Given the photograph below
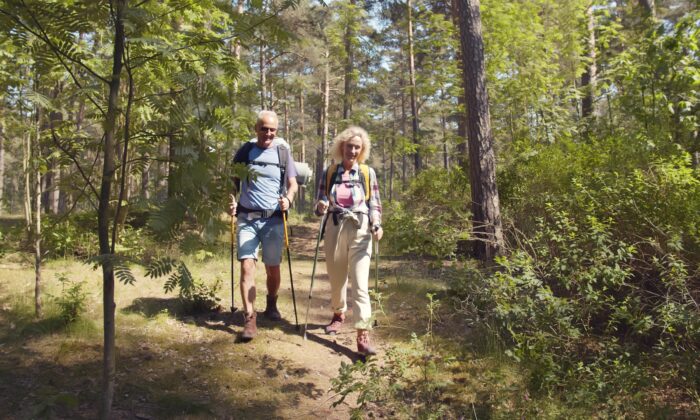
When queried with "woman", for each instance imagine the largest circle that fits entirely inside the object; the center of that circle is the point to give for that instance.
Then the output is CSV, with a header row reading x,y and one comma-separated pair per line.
x,y
350,194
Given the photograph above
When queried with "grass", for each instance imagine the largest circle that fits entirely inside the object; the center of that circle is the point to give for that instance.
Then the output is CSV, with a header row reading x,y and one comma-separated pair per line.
x,y
174,365
169,364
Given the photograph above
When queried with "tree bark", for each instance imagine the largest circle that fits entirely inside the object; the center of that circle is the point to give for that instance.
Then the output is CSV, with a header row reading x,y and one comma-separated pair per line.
x,y
38,307
108,169
26,161
263,79
349,64
486,218
302,154
417,161
462,152
649,7
326,105
237,55
2,164
588,79
36,231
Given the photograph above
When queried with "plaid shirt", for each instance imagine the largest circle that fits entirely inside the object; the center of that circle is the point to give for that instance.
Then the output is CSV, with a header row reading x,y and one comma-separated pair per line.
x,y
359,204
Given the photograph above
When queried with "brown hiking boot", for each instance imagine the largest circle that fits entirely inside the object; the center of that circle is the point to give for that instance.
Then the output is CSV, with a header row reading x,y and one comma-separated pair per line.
x,y
250,329
271,311
364,347
336,323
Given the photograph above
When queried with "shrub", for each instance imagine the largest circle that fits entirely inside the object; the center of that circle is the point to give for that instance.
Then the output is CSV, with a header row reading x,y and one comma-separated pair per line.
x,y
201,298
72,302
432,216
406,384
197,297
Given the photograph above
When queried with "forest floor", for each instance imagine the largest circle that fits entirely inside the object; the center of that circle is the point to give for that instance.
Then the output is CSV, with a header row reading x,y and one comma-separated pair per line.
x,y
173,365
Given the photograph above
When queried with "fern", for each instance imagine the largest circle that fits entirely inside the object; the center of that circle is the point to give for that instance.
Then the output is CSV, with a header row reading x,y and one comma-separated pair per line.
x,y
124,274
160,268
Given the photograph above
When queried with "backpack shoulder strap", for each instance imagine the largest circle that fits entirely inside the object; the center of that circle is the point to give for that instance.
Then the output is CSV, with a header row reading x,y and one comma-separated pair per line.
x,y
242,153
282,156
364,171
241,156
330,177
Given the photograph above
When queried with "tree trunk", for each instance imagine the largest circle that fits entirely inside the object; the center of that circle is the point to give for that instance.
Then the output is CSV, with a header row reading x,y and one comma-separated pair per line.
x,y
486,218
237,55
37,236
445,151
26,161
302,155
36,231
2,165
108,168
414,100
462,152
649,7
146,178
263,81
404,163
285,110
588,79
349,64
326,105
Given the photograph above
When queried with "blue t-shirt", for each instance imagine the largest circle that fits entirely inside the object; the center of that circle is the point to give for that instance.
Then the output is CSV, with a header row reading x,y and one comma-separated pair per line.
x,y
263,192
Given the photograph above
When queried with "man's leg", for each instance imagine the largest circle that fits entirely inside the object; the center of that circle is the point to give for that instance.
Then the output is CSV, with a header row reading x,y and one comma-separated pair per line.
x,y
273,279
250,329
248,285
272,244
248,243
273,286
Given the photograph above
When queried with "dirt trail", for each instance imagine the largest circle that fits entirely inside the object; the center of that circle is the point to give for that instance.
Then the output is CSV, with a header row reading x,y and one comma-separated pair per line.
x,y
174,366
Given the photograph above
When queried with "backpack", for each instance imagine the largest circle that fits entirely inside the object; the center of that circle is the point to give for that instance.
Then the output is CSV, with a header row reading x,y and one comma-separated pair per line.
x,y
332,175
242,156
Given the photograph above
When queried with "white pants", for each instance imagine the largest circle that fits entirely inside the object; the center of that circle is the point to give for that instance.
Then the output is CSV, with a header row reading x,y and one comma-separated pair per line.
x,y
348,257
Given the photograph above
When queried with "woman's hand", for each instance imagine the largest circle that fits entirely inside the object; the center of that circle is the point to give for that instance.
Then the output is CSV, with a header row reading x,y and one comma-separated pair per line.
x,y
377,233
321,207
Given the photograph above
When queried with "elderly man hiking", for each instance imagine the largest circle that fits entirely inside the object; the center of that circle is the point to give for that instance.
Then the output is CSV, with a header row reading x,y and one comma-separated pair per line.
x,y
263,198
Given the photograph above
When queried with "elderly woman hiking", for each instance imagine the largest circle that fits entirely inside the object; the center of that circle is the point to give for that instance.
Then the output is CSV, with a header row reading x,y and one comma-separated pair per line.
x,y
350,194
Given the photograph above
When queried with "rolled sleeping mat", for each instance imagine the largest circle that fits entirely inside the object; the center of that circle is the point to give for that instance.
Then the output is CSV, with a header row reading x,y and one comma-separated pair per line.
x,y
304,172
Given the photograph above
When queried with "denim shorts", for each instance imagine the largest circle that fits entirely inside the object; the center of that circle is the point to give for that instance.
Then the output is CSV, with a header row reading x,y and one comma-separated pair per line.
x,y
266,230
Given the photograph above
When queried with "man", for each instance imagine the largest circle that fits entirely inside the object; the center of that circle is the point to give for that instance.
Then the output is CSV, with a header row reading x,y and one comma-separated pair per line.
x,y
264,197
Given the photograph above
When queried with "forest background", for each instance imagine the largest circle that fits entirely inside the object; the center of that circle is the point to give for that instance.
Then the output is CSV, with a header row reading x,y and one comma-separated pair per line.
x,y
118,120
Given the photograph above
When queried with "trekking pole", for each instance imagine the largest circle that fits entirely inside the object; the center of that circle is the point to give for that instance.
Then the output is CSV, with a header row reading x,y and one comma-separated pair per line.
x,y
233,261
313,271
289,261
376,272
376,266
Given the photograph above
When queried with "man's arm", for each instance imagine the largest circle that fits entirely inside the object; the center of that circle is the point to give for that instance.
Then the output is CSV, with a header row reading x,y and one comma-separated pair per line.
x,y
292,185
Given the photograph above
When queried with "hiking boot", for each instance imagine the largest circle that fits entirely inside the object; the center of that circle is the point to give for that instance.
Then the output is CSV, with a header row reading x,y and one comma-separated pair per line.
x,y
364,347
250,329
271,311
336,323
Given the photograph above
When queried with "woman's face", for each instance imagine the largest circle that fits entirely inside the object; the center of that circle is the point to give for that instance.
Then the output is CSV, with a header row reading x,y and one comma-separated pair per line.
x,y
351,150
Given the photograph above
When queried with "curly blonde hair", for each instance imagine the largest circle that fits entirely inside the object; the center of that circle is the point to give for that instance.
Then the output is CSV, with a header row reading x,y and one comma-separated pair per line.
x,y
347,134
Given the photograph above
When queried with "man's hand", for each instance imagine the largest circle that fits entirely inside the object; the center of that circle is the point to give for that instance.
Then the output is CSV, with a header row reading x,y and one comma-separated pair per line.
x,y
233,204
285,202
321,207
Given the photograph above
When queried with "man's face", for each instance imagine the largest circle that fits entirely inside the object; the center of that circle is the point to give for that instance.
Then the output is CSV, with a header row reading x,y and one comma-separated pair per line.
x,y
266,130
